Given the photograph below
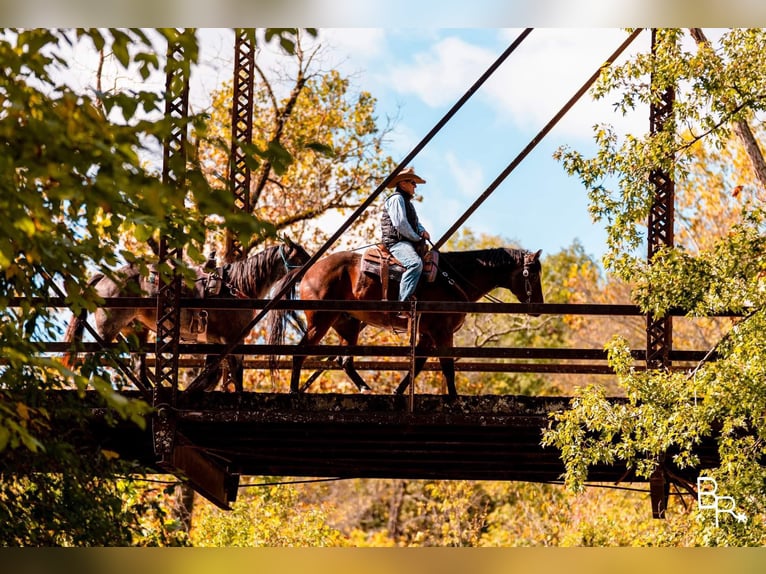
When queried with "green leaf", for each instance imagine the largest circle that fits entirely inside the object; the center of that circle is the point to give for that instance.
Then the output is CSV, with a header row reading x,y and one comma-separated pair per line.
x,y
321,148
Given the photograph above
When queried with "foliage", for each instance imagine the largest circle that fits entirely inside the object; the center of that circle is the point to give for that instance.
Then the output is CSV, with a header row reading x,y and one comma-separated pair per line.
x,y
317,149
718,269
269,515
78,192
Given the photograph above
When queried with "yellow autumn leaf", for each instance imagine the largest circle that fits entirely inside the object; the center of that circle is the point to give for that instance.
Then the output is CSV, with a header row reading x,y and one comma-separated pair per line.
x,y
109,454
23,411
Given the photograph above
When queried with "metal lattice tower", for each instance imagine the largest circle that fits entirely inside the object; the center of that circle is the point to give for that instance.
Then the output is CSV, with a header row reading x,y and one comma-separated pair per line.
x,y
241,130
659,331
169,292
173,174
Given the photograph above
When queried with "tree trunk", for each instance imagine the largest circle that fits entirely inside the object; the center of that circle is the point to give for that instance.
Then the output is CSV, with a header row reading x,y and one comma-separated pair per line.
x,y
740,127
185,506
395,509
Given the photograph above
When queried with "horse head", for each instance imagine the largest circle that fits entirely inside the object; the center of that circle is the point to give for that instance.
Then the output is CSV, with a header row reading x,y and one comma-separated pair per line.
x,y
293,254
525,281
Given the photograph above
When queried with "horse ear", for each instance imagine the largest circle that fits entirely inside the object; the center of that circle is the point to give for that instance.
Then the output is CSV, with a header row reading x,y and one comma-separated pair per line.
x,y
537,254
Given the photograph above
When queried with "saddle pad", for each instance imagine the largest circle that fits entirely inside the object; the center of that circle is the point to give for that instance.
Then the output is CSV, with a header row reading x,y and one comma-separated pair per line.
x,y
371,262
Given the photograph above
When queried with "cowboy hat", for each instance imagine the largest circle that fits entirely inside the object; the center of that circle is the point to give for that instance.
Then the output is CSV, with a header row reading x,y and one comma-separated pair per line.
x,y
408,173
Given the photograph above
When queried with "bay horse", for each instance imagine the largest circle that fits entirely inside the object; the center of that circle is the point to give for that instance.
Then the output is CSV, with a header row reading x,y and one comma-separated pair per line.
x,y
251,277
463,277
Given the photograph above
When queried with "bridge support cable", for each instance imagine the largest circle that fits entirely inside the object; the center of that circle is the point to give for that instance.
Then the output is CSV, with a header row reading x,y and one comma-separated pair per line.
x,y
532,144
367,202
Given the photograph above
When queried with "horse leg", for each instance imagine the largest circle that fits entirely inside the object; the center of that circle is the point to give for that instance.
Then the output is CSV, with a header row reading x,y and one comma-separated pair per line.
x,y
211,379
295,376
236,372
139,361
348,330
347,363
424,343
419,363
317,325
448,370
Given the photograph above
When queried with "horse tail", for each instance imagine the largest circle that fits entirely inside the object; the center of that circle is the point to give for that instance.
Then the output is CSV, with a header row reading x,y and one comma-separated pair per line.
x,y
73,334
76,328
277,319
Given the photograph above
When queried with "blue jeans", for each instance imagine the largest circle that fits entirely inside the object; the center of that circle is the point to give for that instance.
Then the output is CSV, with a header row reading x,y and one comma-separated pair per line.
x,y
405,252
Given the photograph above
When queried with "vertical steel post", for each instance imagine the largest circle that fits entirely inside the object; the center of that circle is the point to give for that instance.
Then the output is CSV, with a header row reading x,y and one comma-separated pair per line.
x,y
169,292
241,131
659,331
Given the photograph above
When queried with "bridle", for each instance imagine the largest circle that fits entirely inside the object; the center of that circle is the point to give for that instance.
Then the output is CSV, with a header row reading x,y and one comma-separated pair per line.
x,y
527,282
285,261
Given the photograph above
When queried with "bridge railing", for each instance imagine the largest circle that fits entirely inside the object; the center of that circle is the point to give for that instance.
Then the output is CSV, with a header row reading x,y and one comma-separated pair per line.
x,y
486,359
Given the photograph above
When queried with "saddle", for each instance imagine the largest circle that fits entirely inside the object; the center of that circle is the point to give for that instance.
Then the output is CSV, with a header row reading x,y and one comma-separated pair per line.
x,y
378,262
209,283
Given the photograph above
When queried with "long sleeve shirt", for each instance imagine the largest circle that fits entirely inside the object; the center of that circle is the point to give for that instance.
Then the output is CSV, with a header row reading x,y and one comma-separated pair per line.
x,y
397,212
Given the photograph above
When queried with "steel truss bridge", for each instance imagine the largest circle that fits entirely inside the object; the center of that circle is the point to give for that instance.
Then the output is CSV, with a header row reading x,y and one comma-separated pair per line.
x,y
210,441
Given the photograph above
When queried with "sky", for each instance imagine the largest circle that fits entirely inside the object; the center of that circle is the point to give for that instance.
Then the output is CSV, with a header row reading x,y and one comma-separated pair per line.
x,y
418,74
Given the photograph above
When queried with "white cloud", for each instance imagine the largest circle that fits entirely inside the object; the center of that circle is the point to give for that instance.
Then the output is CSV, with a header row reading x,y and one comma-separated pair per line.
x,y
467,176
548,69
441,75
531,86
361,43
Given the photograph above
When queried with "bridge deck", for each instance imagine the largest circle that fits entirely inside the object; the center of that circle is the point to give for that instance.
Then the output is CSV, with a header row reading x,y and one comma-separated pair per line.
x,y
374,436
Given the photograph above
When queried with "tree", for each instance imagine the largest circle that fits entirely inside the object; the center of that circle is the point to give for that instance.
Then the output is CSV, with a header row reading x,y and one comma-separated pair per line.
x,y
317,147
270,514
723,271
75,181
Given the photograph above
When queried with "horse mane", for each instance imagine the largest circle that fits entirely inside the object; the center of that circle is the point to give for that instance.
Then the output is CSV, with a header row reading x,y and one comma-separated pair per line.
x,y
495,257
252,274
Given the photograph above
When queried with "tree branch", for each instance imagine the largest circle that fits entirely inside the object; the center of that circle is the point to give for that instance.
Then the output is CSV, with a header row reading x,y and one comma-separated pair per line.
x,y
740,127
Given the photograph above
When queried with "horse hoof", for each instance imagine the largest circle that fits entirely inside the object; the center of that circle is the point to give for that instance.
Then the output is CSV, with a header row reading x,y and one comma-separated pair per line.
x,y
365,391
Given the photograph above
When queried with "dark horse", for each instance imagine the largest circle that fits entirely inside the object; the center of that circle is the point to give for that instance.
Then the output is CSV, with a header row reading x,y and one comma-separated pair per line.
x,y
464,276
252,278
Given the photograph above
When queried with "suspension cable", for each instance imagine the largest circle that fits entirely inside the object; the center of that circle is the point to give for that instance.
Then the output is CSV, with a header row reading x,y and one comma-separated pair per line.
x,y
285,288
532,144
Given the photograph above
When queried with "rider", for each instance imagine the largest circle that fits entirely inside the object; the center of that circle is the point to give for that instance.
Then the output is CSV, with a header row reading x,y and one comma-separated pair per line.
x,y
401,230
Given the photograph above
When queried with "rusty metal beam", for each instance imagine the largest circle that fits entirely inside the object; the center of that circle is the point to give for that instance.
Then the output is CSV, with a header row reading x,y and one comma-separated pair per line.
x,y
241,131
387,306
659,330
173,175
488,437
172,451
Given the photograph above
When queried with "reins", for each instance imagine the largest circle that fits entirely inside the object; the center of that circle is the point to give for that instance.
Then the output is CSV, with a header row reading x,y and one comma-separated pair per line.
x,y
525,272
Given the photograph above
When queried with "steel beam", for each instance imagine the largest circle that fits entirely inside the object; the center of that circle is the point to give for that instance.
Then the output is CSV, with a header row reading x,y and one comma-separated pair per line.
x,y
241,131
659,330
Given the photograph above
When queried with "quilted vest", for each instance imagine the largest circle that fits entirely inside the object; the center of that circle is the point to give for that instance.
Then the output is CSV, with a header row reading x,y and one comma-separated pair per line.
x,y
389,234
